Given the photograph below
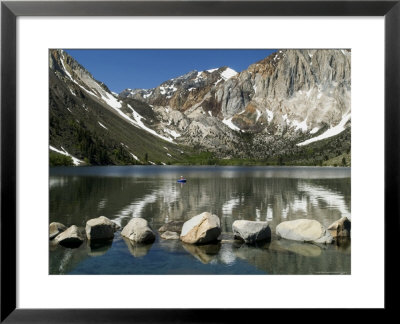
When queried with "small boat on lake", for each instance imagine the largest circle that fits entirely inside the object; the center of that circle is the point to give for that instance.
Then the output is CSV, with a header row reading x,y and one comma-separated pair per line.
x,y
181,180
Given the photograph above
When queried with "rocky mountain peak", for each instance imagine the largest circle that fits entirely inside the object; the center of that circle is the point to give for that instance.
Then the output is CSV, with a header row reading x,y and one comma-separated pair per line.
x,y
183,91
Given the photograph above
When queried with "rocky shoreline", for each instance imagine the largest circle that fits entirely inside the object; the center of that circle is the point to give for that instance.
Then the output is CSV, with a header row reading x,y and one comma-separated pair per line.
x,y
203,229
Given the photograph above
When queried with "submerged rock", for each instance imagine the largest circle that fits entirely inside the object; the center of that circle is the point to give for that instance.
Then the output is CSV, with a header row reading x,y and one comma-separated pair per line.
x,y
201,229
172,226
71,237
340,228
250,231
55,229
170,235
305,230
138,230
100,228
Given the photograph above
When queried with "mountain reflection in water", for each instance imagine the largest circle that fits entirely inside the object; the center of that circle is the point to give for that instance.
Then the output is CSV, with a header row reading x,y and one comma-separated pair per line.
x,y
270,194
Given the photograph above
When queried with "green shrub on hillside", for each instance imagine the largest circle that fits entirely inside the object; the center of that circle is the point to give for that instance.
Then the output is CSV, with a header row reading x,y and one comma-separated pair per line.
x,y
57,159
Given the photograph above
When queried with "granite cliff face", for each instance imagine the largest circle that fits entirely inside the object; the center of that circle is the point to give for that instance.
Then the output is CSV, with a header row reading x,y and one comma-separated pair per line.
x,y
292,89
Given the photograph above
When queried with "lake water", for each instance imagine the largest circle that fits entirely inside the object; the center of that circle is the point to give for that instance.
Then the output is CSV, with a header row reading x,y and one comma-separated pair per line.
x,y
272,194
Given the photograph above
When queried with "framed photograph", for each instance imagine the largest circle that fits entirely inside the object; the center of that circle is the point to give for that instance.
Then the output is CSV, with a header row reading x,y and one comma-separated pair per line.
x,y
151,149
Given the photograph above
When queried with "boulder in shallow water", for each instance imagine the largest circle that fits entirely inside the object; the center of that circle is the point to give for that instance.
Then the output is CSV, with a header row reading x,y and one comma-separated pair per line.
x,y
304,230
55,229
100,228
170,235
250,231
340,228
138,230
71,237
172,226
201,229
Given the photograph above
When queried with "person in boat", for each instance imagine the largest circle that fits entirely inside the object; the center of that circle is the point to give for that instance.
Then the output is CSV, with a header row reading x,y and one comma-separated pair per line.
x,y
182,178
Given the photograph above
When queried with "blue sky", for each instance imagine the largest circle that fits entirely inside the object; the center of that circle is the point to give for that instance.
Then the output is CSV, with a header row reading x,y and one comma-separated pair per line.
x,y
121,69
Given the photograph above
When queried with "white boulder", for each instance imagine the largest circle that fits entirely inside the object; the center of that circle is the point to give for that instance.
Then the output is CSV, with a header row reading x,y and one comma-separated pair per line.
x,y
305,230
55,229
139,231
71,237
201,229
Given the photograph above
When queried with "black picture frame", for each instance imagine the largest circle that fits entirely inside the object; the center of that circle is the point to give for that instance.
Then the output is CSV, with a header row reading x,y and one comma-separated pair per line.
x,y
10,10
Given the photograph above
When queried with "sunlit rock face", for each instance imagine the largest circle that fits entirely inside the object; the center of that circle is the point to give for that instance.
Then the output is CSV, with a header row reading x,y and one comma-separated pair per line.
x,y
56,228
139,231
201,229
71,237
304,230
300,89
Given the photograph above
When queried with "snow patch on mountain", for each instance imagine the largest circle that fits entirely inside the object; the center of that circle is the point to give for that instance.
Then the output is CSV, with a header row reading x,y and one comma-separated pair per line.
x,y
270,115
228,122
134,156
172,133
258,115
228,73
138,122
111,100
330,132
148,94
75,160
102,125
302,126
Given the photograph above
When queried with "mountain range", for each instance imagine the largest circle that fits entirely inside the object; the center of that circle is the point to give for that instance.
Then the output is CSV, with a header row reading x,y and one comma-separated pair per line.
x,y
293,107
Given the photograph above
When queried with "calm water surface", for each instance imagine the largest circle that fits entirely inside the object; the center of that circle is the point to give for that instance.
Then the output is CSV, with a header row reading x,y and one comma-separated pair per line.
x,y
272,194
